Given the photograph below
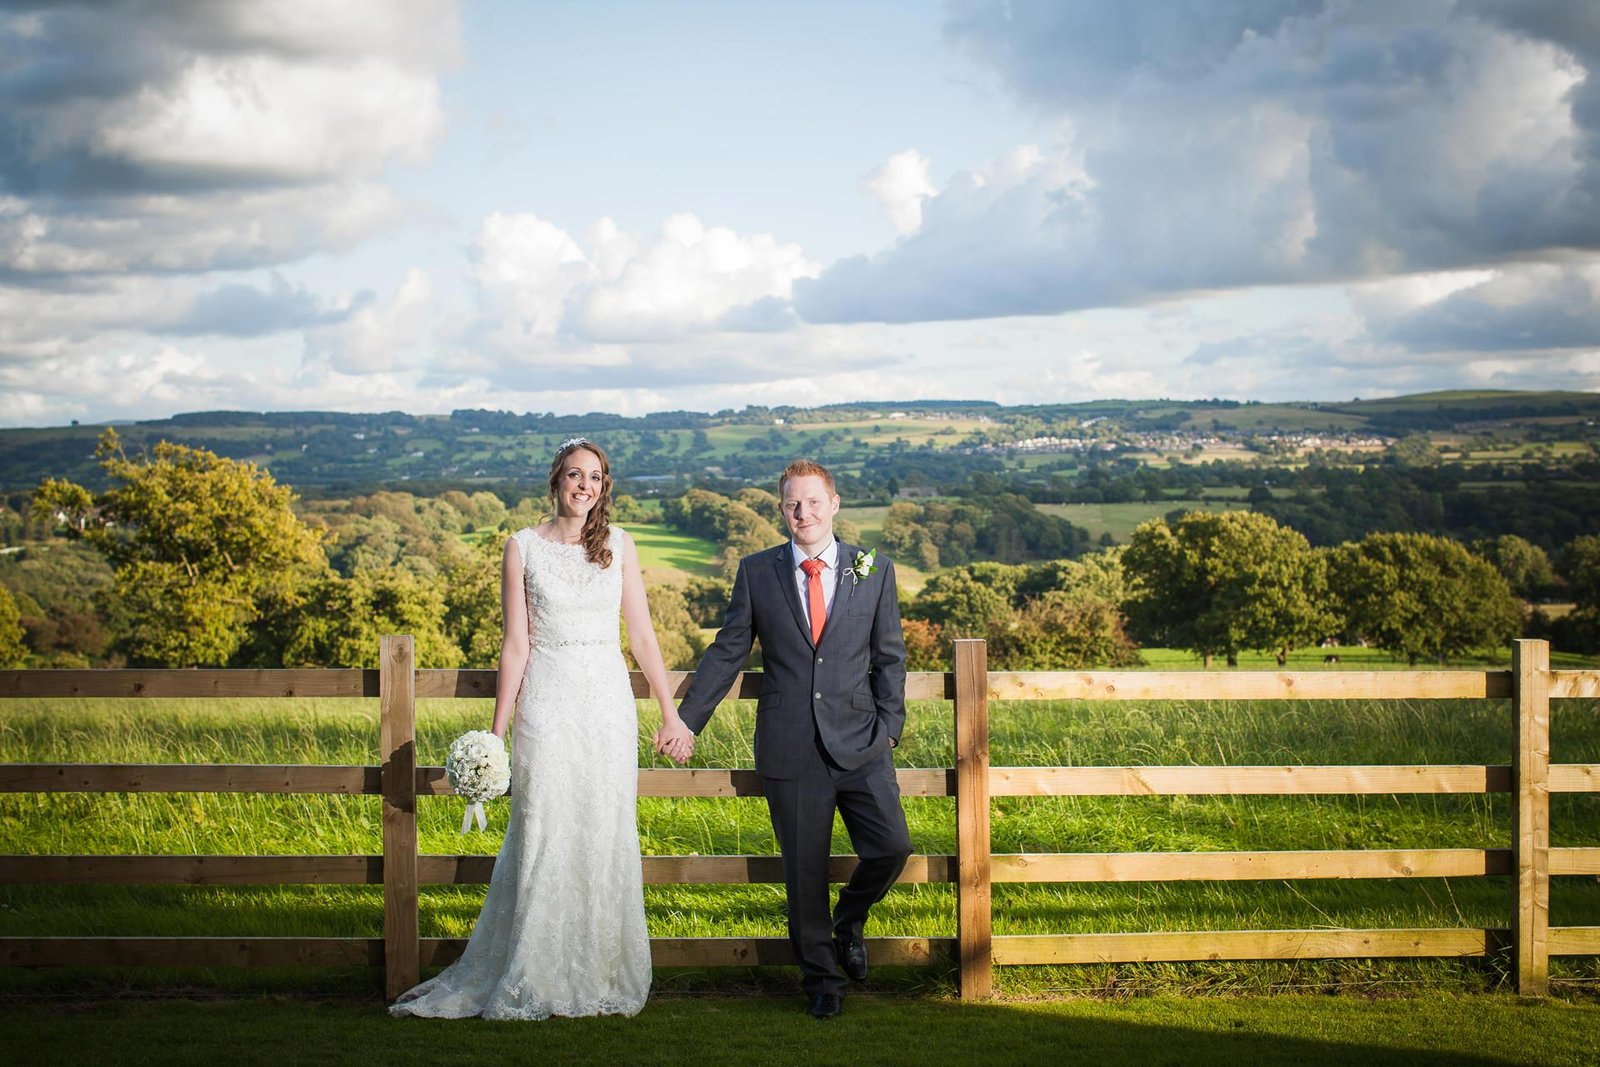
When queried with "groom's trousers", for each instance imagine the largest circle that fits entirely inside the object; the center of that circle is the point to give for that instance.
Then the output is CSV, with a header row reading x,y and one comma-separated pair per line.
x,y
802,808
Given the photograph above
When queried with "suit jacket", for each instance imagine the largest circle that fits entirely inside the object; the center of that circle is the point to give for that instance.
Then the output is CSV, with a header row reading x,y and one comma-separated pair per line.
x,y
848,689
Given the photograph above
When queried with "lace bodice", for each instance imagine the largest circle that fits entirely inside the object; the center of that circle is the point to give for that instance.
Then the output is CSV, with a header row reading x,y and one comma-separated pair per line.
x,y
570,600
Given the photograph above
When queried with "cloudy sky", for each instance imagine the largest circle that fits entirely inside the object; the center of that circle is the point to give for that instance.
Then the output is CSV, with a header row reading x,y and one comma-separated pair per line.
x,y
423,205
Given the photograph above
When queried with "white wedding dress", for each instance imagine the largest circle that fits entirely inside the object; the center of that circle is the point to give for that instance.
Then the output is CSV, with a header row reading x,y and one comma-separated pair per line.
x,y
562,930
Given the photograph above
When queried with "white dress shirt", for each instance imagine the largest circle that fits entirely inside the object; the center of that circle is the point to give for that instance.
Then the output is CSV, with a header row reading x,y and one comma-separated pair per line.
x,y
829,576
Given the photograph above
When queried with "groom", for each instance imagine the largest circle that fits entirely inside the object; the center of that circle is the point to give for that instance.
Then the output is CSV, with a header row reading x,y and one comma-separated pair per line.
x,y
832,706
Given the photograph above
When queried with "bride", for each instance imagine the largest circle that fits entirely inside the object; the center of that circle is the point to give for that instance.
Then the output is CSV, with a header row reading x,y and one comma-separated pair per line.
x,y
562,930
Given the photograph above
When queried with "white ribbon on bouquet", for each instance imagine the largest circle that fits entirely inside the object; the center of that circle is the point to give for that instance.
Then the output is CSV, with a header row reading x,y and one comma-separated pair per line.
x,y
473,813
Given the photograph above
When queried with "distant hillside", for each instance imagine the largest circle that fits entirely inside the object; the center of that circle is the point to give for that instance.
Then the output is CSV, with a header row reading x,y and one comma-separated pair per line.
x,y
921,440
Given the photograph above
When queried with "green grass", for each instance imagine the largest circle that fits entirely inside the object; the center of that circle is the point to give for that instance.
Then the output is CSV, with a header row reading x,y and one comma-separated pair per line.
x,y
1119,519
663,548
874,1030
1288,417
1042,733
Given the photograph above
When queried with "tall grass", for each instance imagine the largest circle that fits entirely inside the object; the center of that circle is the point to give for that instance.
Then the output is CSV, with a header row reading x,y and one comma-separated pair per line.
x,y
1023,733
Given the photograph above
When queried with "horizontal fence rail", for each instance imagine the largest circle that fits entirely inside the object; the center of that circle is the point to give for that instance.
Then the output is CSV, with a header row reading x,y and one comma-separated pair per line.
x,y
973,869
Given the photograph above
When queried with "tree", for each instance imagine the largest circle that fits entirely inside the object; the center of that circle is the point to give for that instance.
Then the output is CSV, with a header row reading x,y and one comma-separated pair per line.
x,y
1219,583
1060,631
344,618
968,601
743,532
707,600
12,649
1580,565
676,631
1523,564
1098,576
1416,450
926,647
201,547
1422,596
906,537
472,609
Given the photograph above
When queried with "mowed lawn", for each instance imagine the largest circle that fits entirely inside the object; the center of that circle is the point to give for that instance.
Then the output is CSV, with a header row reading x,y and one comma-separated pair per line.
x,y
1477,1031
662,548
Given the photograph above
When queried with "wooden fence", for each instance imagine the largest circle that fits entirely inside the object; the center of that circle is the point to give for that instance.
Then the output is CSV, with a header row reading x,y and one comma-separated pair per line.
x,y
1530,686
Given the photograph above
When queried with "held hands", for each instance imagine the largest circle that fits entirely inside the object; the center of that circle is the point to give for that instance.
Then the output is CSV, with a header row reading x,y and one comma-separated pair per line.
x,y
675,740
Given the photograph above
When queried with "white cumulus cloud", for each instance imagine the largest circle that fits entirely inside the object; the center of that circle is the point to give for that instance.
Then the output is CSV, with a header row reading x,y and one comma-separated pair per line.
x,y
541,290
900,186
1242,144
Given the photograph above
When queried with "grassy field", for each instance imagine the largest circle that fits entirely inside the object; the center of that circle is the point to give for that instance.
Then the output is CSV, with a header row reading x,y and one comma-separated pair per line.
x,y
876,433
1480,1031
1042,733
662,548
1119,519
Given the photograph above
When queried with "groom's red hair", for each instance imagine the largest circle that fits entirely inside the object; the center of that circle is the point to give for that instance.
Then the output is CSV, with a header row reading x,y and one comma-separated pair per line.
x,y
800,468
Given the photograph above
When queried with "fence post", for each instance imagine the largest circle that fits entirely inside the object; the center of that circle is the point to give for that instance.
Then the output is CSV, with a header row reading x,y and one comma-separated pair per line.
x,y
973,916
402,967
1530,777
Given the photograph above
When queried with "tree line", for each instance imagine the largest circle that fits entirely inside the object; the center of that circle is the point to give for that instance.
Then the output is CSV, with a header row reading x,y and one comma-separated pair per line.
x,y
192,559
1221,584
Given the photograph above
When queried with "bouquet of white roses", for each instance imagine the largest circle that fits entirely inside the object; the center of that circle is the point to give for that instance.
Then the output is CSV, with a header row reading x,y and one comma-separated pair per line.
x,y
479,770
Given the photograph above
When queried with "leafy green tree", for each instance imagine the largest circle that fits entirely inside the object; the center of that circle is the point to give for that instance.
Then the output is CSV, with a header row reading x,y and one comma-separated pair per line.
x,y
1098,576
477,510
969,601
1416,450
1220,583
1523,564
472,608
627,510
699,512
907,538
199,545
12,649
676,631
1580,565
1060,631
391,529
760,501
344,618
1422,596
707,600
743,531
56,586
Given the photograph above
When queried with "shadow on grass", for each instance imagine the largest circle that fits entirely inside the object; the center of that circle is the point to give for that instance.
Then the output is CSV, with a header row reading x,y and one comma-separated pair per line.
x,y
676,1029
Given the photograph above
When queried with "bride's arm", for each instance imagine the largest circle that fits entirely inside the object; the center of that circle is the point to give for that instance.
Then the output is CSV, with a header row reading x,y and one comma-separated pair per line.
x,y
674,738
513,640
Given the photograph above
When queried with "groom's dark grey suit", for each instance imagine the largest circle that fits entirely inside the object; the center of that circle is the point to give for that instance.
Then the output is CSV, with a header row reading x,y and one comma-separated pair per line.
x,y
827,717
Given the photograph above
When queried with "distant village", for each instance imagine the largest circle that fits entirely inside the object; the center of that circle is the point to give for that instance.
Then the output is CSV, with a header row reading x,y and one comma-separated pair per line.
x,y
1168,441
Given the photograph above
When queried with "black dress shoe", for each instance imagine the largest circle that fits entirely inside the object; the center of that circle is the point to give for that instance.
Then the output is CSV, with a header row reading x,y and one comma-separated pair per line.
x,y
825,1005
852,953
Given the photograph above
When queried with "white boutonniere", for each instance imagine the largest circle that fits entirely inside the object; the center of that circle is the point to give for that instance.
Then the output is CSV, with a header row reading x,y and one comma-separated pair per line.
x,y
862,566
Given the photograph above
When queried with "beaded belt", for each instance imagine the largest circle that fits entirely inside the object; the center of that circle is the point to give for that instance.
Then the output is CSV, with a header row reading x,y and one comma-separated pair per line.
x,y
575,641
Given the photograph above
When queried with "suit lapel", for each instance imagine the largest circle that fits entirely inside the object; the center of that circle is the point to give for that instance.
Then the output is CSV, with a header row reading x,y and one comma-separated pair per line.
x,y
783,564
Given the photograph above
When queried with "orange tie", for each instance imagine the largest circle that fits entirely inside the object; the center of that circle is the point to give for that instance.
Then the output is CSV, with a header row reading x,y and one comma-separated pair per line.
x,y
814,605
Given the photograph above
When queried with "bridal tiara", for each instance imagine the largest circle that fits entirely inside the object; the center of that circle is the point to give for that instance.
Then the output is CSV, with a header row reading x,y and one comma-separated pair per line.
x,y
569,442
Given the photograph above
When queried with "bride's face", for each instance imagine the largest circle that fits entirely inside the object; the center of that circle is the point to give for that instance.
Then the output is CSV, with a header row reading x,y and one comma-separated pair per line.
x,y
581,483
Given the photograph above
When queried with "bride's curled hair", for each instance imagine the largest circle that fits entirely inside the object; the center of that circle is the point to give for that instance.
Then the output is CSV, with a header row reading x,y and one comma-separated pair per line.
x,y
597,527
